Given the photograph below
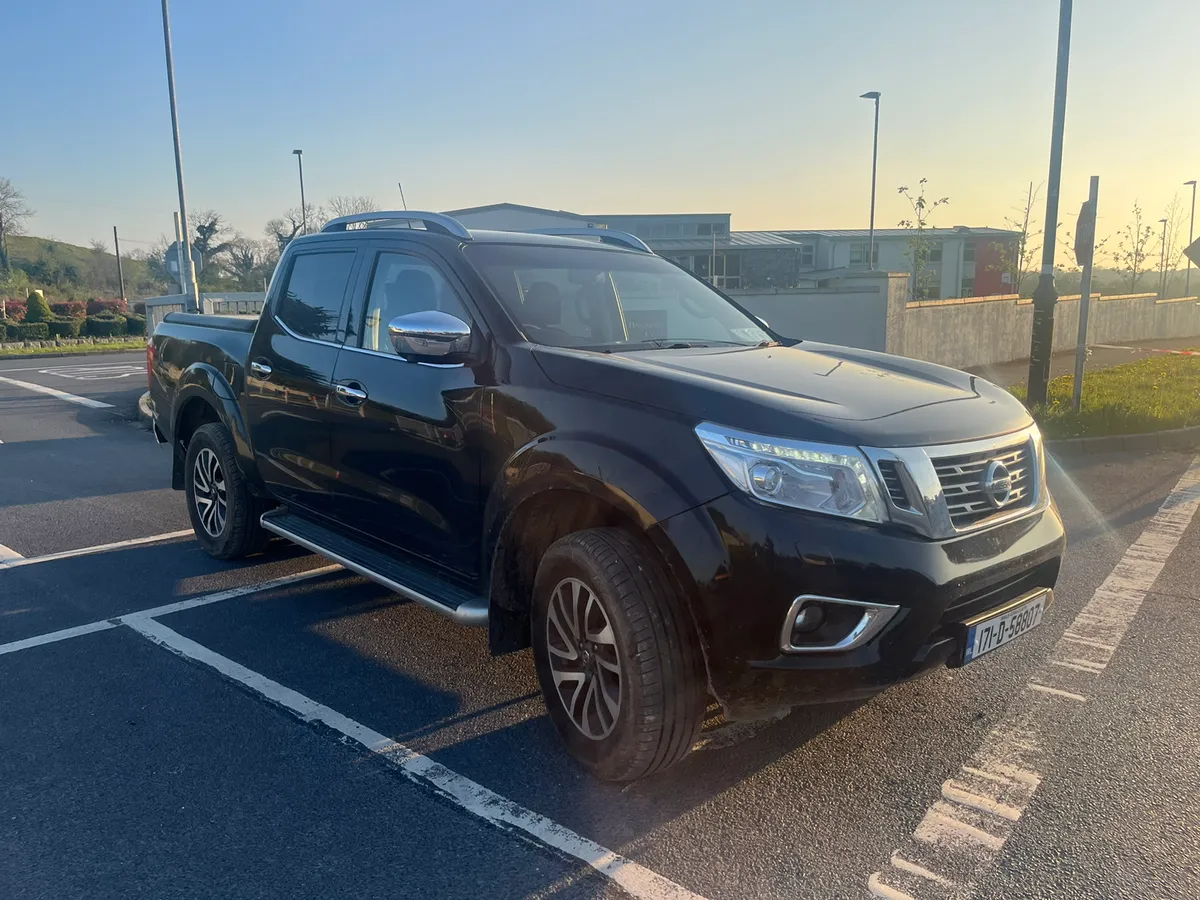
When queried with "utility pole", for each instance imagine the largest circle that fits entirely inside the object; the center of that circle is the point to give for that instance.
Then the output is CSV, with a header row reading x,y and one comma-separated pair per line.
x,y
3,243
303,208
1162,261
873,95
120,273
1045,295
186,276
1085,234
1187,279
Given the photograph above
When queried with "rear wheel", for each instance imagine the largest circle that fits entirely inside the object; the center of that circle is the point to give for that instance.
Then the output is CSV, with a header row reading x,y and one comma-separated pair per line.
x,y
224,513
617,658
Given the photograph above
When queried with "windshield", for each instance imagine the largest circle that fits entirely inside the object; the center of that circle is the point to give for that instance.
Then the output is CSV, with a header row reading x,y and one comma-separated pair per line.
x,y
605,299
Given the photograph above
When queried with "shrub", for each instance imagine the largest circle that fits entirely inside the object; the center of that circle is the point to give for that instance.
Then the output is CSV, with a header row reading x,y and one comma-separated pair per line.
x,y
101,307
135,324
31,331
139,308
14,311
66,328
70,309
37,310
104,326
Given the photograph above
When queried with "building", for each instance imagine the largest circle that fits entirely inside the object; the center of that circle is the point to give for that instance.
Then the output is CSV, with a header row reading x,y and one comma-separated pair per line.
x,y
959,261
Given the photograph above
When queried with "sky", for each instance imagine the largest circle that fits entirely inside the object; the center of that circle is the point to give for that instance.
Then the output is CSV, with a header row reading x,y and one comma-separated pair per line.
x,y
621,106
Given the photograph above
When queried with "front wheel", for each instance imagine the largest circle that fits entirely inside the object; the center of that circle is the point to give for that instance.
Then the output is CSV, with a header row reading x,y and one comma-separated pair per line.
x,y
224,513
616,656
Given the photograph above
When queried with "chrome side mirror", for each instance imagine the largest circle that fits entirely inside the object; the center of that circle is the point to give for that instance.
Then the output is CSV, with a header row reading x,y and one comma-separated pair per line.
x,y
430,336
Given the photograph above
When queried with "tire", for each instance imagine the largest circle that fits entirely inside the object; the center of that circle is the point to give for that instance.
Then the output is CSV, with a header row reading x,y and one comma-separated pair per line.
x,y
658,683
224,513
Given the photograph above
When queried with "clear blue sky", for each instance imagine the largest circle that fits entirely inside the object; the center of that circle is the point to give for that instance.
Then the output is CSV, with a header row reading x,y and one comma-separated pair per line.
x,y
613,106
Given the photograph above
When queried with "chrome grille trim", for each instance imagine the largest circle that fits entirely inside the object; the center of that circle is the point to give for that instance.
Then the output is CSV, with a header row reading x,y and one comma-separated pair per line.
x,y
943,483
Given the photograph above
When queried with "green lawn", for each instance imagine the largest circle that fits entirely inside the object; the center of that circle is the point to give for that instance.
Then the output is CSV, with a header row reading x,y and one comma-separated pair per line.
x,y
138,343
1150,395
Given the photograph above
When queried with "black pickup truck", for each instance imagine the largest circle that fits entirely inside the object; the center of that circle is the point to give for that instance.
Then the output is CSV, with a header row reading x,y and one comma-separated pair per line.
x,y
590,451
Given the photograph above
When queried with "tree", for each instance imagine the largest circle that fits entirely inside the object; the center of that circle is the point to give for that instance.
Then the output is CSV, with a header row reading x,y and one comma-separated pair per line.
x,y
14,285
350,205
37,309
1133,245
98,246
1018,259
208,242
14,212
250,263
286,227
925,280
1173,241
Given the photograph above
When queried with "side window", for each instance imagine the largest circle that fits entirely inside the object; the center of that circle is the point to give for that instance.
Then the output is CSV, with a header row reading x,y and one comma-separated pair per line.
x,y
311,300
403,284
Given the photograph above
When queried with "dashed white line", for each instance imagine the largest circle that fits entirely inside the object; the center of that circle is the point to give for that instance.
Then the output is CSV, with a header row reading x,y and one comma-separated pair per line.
x,y
64,634
54,392
513,818
88,551
964,831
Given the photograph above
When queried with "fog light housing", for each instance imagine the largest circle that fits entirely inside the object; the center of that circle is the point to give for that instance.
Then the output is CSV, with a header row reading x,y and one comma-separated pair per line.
x,y
809,619
830,624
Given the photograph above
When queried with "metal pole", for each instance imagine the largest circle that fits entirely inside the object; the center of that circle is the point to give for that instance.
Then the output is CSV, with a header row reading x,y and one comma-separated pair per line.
x,y
1162,261
179,254
402,200
1041,342
303,207
186,275
873,95
1187,279
120,273
1085,299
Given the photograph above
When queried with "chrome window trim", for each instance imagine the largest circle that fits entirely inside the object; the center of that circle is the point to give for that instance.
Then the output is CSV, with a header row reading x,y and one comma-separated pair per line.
x,y
400,358
300,337
875,617
930,514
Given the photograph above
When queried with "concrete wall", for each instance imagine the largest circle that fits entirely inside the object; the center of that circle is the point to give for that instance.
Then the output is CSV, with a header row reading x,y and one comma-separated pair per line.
x,y
981,331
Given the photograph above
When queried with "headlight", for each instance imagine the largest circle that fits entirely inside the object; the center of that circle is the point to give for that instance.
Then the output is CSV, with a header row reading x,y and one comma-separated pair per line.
x,y
822,478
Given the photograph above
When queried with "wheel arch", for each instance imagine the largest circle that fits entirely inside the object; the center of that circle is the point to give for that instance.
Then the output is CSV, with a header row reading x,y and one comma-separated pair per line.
x,y
204,395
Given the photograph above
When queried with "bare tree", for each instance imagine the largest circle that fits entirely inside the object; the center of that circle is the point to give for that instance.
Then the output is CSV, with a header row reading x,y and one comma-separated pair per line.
x,y
211,239
921,246
283,229
1132,252
1173,241
14,213
350,204
1019,259
98,246
251,262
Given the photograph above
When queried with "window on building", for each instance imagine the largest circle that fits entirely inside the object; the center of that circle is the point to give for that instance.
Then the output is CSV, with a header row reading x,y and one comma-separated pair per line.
x,y
860,252
968,288
704,228
671,230
808,256
968,253
658,231
720,228
935,253
311,300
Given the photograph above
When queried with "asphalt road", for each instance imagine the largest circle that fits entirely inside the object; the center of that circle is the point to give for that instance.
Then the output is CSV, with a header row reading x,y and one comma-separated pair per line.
x,y
225,758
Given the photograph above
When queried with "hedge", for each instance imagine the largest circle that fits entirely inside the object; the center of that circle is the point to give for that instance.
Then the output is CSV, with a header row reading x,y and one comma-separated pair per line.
x,y
71,309
66,328
37,310
105,307
135,324
29,331
104,326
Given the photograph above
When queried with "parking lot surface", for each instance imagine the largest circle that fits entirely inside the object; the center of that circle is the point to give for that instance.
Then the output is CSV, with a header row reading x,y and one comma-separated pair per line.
x,y
174,726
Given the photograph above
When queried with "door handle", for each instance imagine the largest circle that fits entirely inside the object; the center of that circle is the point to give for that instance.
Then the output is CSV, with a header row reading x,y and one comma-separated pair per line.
x,y
260,369
349,394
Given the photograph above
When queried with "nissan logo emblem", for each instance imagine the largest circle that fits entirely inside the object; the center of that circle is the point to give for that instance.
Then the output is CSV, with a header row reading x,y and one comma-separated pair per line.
x,y
997,484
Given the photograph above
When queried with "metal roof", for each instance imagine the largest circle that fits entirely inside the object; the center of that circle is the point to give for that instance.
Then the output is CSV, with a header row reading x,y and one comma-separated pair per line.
x,y
733,240
493,206
864,233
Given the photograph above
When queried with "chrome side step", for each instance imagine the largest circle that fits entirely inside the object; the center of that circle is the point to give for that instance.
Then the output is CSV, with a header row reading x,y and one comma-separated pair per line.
x,y
449,599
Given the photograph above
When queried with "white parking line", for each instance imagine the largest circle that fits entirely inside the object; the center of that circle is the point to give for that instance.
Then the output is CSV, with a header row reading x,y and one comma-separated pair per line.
x,y
633,877
19,560
964,831
8,553
54,392
64,634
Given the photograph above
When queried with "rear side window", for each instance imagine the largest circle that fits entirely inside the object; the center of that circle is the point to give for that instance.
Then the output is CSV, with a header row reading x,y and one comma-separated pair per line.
x,y
311,299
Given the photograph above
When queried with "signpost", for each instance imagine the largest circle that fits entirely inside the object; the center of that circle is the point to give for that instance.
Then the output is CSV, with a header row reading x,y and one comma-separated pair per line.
x,y
1085,246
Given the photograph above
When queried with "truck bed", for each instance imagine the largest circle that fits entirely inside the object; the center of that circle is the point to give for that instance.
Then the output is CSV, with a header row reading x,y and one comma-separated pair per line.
x,y
224,323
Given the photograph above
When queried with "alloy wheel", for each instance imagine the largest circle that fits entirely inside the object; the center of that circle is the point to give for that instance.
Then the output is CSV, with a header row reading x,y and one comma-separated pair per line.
x,y
583,658
209,493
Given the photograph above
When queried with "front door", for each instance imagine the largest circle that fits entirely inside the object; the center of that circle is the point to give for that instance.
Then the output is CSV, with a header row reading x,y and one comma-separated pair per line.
x,y
401,432
289,372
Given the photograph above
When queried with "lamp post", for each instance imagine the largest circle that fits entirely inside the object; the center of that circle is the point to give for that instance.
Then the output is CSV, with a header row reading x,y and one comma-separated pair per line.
x,y
186,274
303,209
873,95
1162,261
1187,279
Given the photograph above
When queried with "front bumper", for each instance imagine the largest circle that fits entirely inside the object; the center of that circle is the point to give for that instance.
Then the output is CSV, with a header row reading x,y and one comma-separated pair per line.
x,y
750,561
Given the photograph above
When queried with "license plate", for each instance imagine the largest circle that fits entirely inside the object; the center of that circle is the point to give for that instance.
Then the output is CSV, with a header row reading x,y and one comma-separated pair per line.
x,y
986,635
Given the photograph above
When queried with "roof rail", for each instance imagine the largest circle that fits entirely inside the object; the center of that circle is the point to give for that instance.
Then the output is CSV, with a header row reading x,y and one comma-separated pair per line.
x,y
604,235
432,221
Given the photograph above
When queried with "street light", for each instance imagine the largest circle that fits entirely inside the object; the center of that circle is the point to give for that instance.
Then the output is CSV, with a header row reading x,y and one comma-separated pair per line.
x,y
1162,261
303,209
187,275
873,95
1187,279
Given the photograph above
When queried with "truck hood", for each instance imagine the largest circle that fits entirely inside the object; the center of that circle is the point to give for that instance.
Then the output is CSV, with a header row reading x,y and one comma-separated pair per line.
x,y
812,391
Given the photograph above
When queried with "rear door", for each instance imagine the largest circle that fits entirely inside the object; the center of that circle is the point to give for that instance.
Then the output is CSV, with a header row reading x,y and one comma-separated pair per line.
x,y
406,466
290,370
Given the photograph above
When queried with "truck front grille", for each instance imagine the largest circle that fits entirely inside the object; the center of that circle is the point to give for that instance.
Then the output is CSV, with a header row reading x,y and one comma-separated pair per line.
x,y
962,479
